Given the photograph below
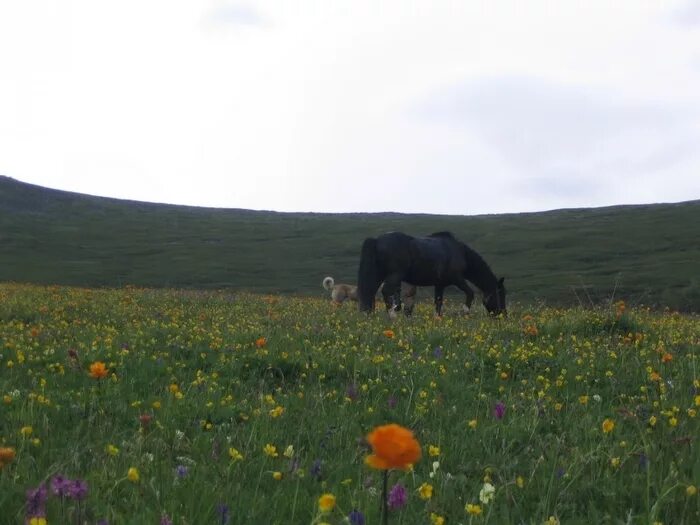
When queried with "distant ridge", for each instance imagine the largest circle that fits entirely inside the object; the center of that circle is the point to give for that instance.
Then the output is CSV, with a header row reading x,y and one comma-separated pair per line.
x,y
643,253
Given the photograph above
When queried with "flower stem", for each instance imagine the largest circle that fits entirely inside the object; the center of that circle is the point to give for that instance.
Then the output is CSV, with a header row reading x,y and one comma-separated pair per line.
x,y
384,510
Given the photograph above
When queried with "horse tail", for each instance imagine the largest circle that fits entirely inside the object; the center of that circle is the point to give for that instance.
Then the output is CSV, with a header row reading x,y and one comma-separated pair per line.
x,y
368,278
328,283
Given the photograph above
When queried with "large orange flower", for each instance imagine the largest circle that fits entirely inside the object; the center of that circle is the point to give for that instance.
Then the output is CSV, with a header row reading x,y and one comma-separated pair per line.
x,y
98,370
394,447
7,454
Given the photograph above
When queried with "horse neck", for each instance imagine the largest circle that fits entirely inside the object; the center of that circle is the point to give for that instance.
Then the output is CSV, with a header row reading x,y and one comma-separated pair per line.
x,y
479,273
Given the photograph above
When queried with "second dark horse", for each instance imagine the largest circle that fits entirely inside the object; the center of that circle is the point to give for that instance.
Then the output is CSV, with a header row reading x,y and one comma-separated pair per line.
x,y
438,260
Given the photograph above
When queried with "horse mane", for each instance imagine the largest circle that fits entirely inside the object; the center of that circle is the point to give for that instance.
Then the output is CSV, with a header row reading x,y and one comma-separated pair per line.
x,y
479,272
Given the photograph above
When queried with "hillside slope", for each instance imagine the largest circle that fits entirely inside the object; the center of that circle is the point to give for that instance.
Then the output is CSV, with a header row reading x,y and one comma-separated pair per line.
x,y
648,254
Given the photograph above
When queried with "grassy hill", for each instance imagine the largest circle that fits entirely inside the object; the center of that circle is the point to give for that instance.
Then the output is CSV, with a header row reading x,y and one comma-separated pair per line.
x,y
645,254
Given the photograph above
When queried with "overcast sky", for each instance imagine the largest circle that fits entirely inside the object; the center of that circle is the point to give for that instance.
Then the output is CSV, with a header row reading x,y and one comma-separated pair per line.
x,y
455,107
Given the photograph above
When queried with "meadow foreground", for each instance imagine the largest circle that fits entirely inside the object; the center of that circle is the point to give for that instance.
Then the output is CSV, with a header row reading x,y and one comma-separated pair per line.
x,y
139,406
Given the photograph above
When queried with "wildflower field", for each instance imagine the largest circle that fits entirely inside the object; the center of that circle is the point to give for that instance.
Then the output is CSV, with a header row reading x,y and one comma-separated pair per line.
x,y
136,406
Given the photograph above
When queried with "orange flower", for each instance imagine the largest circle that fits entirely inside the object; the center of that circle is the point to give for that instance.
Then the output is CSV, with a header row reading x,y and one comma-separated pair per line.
x,y
394,447
260,342
389,334
7,454
98,370
666,357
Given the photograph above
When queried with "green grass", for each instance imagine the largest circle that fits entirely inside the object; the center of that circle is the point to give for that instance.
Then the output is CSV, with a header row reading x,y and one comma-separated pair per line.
x,y
643,254
336,374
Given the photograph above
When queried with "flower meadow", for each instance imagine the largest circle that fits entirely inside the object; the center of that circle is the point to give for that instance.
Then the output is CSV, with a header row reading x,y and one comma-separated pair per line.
x,y
137,406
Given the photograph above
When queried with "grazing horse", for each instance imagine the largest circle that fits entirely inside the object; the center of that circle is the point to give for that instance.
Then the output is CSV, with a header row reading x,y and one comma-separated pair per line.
x,y
439,260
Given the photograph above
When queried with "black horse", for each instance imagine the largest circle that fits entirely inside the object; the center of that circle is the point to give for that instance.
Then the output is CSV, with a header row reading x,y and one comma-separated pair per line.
x,y
438,260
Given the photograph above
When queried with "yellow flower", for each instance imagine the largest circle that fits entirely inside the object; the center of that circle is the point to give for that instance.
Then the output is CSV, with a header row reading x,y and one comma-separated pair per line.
x,y
608,426
673,421
111,450
433,451
697,401
174,389
436,519
472,423
474,510
652,421
691,490
235,455
583,400
133,475
520,482
615,462
37,521
289,452
26,431
277,411
326,502
277,475
7,399
425,491
270,450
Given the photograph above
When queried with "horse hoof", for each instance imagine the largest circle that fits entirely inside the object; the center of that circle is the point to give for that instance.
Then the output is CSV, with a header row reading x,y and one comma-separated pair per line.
x,y
466,309
392,314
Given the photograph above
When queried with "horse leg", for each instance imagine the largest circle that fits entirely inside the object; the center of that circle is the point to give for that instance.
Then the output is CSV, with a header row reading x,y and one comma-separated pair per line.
x,y
438,300
392,294
409,299
469,295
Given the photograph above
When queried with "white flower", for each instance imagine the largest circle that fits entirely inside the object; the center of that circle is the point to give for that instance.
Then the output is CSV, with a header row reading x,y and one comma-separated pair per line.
x,y
436,466
597,398
487,493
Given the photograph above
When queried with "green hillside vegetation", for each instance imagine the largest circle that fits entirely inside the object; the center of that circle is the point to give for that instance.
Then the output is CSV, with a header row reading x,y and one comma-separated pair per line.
x,y
643,254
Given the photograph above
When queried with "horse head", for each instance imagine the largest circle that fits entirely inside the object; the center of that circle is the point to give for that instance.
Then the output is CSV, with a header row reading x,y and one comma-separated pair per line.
x,y
495,300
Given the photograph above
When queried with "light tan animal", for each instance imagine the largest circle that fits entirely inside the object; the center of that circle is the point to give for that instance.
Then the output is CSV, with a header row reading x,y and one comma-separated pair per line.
x,y
340,292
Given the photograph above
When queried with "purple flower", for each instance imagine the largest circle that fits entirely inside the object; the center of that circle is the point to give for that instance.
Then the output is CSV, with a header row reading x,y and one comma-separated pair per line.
x,y
397,497
103,521
36,502
165,520
643,461
437,352
181,471
59,485
351,392
315,469
356,518
77,489
392,402
222,510
499,410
